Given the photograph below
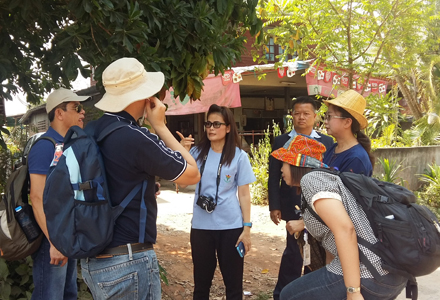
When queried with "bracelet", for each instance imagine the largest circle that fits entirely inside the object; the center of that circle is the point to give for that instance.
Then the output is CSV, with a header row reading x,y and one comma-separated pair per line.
x,y
248,224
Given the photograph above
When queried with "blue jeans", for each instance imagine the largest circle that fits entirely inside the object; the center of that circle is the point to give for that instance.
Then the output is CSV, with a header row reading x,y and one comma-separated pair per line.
x,y
53,282
322,284
123,277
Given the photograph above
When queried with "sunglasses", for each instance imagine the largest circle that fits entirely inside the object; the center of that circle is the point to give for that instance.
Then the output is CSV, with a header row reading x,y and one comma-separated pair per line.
x,y
78,108
216,124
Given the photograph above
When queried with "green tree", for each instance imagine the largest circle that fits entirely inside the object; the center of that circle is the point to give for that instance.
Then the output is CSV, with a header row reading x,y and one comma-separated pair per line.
x,y
43,42
365,37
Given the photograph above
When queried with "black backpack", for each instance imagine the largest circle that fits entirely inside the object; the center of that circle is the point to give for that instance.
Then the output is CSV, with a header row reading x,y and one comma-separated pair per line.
x,y
79,214
408,233
14,242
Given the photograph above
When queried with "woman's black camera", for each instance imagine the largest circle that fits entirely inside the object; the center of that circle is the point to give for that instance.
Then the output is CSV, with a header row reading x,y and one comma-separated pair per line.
x,y
206,203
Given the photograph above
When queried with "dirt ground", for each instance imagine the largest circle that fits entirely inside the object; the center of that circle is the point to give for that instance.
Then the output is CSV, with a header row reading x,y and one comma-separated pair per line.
x,y
260,265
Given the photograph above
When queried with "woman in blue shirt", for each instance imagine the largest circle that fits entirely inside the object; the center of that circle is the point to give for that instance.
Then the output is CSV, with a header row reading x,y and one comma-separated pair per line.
x,y
221,220
344,121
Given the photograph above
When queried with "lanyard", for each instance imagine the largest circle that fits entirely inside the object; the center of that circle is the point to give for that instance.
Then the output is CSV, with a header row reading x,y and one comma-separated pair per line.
x,y
202,168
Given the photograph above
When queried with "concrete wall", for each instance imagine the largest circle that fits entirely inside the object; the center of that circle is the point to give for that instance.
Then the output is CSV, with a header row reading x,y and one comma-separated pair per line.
x,y
414,159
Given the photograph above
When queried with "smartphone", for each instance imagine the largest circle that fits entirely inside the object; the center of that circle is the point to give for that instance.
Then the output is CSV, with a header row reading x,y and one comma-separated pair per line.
x,y
240,249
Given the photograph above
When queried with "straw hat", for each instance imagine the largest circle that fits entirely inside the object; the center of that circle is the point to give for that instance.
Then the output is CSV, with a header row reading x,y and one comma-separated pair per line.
x,y
301,151
353,103
126,81
62,95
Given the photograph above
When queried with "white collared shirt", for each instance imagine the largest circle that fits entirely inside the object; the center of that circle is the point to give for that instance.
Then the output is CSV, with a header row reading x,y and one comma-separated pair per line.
x,y
313,134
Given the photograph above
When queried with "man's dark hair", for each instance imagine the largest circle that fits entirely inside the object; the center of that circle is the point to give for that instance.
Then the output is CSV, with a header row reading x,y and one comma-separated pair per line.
x,y
51,114
304,100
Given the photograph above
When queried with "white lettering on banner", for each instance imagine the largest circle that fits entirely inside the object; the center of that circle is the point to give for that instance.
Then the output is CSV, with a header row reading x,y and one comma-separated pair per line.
x,y
227,77
368,88
336,79
345,81
281,72
382,88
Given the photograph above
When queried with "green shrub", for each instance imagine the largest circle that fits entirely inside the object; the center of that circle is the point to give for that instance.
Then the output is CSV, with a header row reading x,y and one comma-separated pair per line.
x,y
391,170
16,282
430,194
16,279
259,158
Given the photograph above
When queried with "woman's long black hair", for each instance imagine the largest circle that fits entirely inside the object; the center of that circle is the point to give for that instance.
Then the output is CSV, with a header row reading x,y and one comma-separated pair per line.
x,y
232,139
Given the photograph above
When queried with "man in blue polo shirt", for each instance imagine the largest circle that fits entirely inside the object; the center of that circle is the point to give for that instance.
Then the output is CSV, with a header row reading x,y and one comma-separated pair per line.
x,y
54,274
132,154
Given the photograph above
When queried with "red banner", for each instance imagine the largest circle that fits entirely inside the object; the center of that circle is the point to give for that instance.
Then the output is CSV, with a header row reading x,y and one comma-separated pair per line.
x,y
214,92
327,83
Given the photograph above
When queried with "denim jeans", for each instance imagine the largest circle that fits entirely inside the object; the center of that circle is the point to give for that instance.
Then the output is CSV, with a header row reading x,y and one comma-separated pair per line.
x,y
125,277
324,285
53,282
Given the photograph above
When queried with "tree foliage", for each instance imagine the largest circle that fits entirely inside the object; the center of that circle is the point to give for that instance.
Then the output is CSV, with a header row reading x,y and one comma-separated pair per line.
x,y
43,42
381,37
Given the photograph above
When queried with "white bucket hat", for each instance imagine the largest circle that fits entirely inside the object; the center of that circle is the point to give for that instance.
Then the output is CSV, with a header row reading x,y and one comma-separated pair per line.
x,y
62,95
126,81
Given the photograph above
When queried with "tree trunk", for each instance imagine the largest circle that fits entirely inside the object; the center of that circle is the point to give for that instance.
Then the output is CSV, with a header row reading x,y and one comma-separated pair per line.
x,y
409,97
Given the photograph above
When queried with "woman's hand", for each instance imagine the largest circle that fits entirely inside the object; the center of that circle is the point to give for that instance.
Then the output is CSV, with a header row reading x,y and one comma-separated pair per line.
x,y
245,237
186,142
294,226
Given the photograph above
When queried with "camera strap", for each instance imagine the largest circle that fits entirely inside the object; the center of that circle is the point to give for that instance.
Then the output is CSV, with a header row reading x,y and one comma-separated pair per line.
x,y
202,168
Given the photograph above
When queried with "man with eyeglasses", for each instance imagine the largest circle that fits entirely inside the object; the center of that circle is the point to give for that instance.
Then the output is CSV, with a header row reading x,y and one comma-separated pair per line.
x,y
54,274
283,199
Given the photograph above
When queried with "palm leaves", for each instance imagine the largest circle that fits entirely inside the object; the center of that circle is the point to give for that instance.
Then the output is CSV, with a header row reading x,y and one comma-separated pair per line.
x,y
391,170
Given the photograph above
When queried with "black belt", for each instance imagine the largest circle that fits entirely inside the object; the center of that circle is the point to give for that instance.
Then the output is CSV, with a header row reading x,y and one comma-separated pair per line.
x,y
123,250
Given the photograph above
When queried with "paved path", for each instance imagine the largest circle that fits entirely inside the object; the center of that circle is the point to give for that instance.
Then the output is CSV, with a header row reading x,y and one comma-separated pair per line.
x,y
170,202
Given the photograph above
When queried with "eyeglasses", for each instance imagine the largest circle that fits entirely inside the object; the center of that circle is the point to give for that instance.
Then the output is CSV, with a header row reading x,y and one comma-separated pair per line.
x,y
329,117
216,124
78,108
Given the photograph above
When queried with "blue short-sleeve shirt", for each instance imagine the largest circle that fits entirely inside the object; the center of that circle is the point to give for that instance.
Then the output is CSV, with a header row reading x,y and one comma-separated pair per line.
x,y
42,152
131,155
227,214
355,160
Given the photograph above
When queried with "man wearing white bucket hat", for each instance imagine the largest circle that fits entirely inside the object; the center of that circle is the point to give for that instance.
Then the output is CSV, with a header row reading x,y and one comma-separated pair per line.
x,y
131,155
54,274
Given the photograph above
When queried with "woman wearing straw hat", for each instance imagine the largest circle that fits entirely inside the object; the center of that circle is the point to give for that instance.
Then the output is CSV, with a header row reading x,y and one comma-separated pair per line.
x,y
345,277
344,120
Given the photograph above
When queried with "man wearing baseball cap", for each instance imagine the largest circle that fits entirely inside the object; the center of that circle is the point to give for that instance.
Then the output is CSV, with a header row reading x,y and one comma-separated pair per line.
x,y
132,154
54,274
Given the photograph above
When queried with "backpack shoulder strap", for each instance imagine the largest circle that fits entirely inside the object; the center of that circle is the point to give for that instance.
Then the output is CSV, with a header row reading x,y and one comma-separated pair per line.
x,y
109,129
25,156
45,138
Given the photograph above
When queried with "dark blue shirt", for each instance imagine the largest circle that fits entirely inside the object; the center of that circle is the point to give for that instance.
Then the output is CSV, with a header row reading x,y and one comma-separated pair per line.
x,y
132,154
355,160
42,153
